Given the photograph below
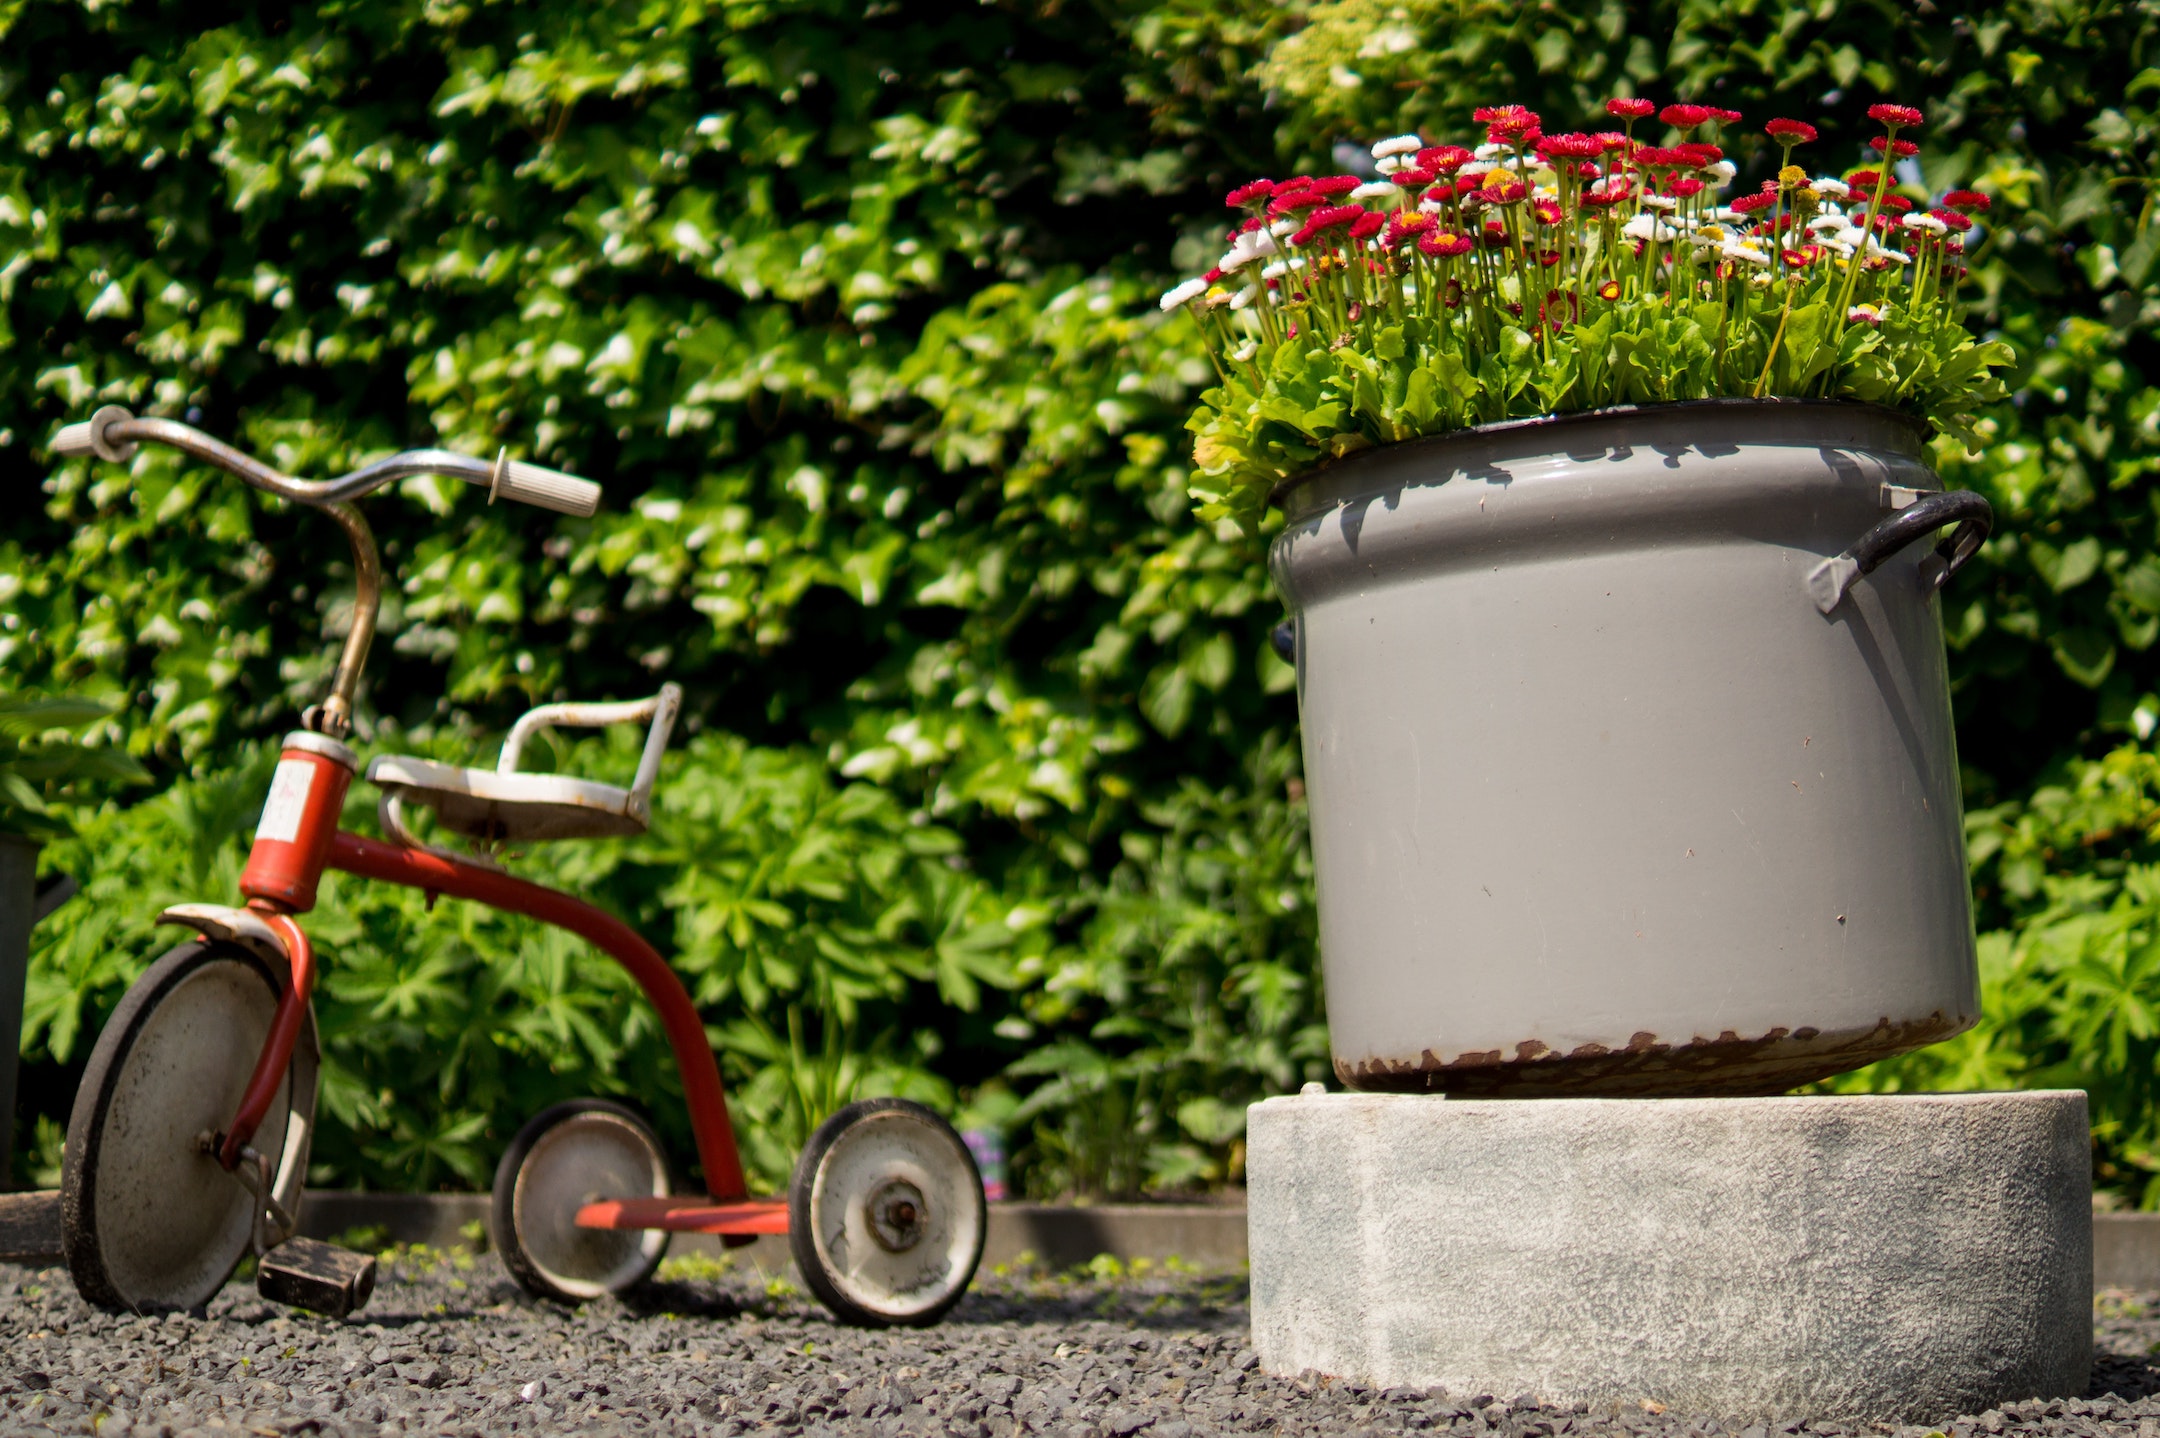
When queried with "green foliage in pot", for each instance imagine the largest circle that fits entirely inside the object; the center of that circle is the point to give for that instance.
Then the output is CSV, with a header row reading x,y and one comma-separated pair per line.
x,y
43,766
1554,273
852,308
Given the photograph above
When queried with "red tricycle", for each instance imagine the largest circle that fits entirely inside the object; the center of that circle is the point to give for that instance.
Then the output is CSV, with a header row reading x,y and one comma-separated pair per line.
x,y
188,1143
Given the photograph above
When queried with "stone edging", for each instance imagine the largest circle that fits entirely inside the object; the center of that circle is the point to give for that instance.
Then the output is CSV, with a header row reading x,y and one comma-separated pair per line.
x,y
1207,1236
2126,1246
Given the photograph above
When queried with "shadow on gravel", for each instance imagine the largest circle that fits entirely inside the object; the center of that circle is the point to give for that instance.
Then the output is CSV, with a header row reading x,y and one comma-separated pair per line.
x,y
662,1298
1184,1304
2123,1377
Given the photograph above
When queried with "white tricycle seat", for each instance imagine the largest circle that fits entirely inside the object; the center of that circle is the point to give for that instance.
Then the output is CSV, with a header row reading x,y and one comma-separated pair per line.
x,y
502,806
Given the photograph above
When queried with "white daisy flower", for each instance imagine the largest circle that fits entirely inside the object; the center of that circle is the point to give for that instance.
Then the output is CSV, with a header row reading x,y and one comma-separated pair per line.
x,y
1831,189
1183,294
1927,223
1665,203
1648,227
1826,224
1373,190
1400,145
1721,173
1744,252
1246,296
1244,352
1489,151
1392,164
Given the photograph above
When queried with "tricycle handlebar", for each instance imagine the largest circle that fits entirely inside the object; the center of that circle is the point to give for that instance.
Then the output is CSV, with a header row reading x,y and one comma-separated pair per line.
x,y
113,434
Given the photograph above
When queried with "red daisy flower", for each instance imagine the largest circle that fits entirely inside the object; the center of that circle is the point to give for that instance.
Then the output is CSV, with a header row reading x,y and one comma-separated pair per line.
x,y
1444,244
1652,157
1327,217
1501,188
1610,290
1506,122
1414,179
1548,212
1897,203
1600,199
1954,220
1289,202
1724,117
1801,258
1685,186
1445,159
1612,141
1894,148
1790,132
1250,193
1630,109
1864,179
1365,226
1571,147
1701,156
1212,276
1336,185
1684,117
1968,200
1749,204
1402,227
1902,117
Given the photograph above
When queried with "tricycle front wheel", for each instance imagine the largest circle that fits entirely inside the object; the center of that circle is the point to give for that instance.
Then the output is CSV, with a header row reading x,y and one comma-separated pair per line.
x,y
149,1219
886,1214
584,1151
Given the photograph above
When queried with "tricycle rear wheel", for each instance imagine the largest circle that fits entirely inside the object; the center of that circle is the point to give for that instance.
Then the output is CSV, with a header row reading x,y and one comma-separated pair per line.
x,y
580,1152
886,1215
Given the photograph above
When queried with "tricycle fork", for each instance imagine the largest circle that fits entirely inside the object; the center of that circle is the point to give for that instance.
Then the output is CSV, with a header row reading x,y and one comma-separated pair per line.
x,y
277,1047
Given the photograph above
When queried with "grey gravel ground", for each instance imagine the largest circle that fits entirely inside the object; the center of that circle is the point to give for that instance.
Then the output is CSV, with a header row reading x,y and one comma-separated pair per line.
x,y
450,1346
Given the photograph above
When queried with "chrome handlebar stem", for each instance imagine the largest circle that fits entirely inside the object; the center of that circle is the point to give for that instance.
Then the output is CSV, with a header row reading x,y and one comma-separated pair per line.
x,y
115,434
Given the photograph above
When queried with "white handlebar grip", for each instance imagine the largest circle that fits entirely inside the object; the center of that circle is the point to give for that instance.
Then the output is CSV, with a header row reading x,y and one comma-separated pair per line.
x,y
547,488
73,440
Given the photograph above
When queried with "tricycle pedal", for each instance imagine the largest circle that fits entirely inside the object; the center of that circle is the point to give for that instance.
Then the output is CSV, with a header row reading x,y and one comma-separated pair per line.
x,y
308,1273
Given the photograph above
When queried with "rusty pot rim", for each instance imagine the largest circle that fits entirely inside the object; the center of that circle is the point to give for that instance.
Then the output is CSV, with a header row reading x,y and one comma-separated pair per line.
x,y
1278,496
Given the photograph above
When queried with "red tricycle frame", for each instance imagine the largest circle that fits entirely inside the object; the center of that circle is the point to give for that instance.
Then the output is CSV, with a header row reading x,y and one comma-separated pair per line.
x,y
280,883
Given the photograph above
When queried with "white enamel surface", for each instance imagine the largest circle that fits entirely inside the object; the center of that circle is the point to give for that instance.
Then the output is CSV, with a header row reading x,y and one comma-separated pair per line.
x,y
1588,769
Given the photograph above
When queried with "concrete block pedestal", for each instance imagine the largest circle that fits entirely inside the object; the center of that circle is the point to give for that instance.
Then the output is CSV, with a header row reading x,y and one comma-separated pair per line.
x,y
1879,1258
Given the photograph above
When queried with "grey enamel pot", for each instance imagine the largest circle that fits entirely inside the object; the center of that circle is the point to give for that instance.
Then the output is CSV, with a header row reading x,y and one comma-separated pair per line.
x,y
1629,753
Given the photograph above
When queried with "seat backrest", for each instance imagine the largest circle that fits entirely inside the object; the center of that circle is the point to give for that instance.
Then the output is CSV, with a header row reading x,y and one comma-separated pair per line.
x,y
661,708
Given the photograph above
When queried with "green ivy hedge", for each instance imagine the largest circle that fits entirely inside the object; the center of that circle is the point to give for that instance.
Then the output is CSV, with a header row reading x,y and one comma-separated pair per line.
x,y
988,788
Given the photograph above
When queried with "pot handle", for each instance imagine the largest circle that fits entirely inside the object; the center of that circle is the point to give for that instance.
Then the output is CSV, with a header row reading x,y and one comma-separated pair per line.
x,y
1828,581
